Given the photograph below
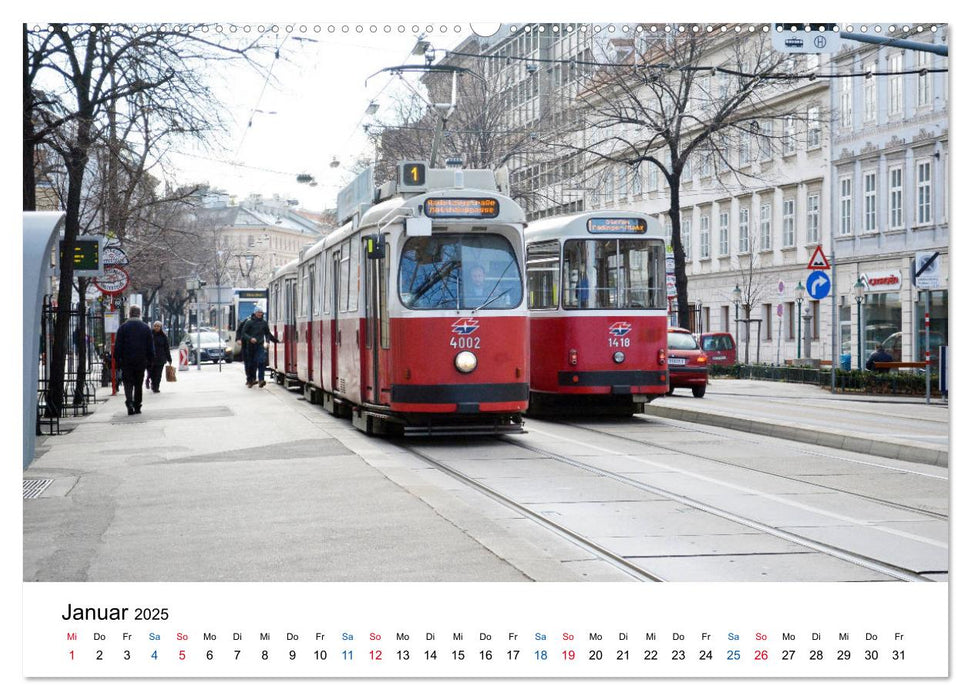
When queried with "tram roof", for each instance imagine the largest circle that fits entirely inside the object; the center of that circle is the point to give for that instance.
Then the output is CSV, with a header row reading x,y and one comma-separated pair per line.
x,y
570,225
285,269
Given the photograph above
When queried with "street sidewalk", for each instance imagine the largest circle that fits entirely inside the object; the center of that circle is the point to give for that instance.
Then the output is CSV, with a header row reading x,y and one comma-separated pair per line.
x,y
905,428
217,482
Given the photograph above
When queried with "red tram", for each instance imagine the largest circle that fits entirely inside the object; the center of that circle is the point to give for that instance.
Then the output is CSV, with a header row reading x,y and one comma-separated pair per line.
x,y
410,317
598,313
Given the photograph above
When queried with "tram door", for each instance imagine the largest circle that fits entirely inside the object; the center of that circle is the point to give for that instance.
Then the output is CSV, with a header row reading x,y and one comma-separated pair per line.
x,y
335,342
311,306
376,328
290,327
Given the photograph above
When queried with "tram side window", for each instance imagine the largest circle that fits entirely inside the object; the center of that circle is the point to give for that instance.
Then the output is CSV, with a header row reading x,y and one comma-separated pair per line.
x,y
355,269
345,273
542,268
304,292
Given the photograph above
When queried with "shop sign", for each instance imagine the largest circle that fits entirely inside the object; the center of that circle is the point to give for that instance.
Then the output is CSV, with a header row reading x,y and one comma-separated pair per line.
x,y
882,281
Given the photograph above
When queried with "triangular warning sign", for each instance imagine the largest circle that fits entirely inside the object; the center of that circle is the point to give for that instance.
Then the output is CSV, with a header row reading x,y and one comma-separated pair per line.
x,y
818,260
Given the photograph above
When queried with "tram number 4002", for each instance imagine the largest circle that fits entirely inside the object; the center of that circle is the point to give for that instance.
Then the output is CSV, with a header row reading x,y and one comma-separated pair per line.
x,y
465,343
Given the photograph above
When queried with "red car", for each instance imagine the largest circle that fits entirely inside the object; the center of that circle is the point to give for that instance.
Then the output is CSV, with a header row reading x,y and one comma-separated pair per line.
x,y
720,348
687,363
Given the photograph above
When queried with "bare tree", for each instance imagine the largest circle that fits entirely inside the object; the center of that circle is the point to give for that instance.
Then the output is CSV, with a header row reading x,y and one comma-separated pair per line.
x,y
77,78
752,285
479,130
663,100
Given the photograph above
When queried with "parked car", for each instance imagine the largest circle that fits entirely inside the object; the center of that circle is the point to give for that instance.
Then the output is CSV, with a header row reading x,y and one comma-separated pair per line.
x,y
687,363
208,346
720,348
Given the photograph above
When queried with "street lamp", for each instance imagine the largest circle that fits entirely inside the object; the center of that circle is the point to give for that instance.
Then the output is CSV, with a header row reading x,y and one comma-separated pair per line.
x,y
250,258
800,294
859,291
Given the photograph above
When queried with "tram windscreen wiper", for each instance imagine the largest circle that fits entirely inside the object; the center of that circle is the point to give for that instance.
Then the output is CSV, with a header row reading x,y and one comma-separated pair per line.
x,y
437,282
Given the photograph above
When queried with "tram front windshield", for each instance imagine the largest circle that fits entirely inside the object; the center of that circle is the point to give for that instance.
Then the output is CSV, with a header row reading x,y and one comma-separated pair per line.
x,y
613,274
459,271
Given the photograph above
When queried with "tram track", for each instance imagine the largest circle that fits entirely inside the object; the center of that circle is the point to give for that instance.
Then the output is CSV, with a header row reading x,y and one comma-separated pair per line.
x,y
586,543
695,454
857,559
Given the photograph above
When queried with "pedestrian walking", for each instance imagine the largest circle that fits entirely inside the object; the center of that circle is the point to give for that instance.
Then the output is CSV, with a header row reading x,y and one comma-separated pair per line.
x,y
878,355
163,355
244,352
256,331
135,352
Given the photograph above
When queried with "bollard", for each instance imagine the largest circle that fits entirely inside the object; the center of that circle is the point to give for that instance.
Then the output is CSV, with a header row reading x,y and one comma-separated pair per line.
x,y
183,358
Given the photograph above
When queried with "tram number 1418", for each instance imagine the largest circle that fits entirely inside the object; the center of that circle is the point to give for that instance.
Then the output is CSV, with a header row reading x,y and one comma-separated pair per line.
x,y
618,342
465,343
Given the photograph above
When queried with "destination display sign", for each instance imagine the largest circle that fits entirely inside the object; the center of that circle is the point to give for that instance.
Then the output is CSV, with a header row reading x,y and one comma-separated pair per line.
x,y
87,256
616,225
461,207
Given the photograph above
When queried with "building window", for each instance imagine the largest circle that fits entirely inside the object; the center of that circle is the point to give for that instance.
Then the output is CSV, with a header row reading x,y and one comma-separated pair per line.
x,y
846,206
744,149
765,226
895,85
788,222
651,177
814,310
846,102
686,236
743,230
705,244
814,134
870,93
870,202
766,322
723,233
623,172
789,136
638,183
765,143
896,193
812,218
790,319
924,192
923,62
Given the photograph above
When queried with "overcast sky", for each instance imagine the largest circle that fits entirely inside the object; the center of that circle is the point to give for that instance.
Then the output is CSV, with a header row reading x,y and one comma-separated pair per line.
x,y
312,112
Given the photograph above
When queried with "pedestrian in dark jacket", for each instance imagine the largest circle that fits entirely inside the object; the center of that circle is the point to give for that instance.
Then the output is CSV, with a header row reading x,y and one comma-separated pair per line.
x,y
878,355
162,355
135,352
255,333
244,352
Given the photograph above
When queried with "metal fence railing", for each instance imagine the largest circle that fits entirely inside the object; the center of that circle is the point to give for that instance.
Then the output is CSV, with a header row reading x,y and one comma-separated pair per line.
x,y
83,365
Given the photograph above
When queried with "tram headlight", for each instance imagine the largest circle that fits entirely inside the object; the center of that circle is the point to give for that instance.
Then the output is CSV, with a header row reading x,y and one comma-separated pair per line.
x,y
465,362
619,357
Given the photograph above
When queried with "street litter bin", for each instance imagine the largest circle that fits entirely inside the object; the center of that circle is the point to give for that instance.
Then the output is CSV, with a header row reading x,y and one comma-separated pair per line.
x,y
845,361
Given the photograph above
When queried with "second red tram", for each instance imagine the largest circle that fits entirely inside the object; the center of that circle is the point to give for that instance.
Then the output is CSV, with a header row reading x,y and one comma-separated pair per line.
x,y
410,317
596,293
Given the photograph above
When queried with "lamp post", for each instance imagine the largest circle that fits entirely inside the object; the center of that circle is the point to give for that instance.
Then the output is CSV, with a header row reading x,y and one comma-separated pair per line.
x,y
859,290
737,298
250,258
800,293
